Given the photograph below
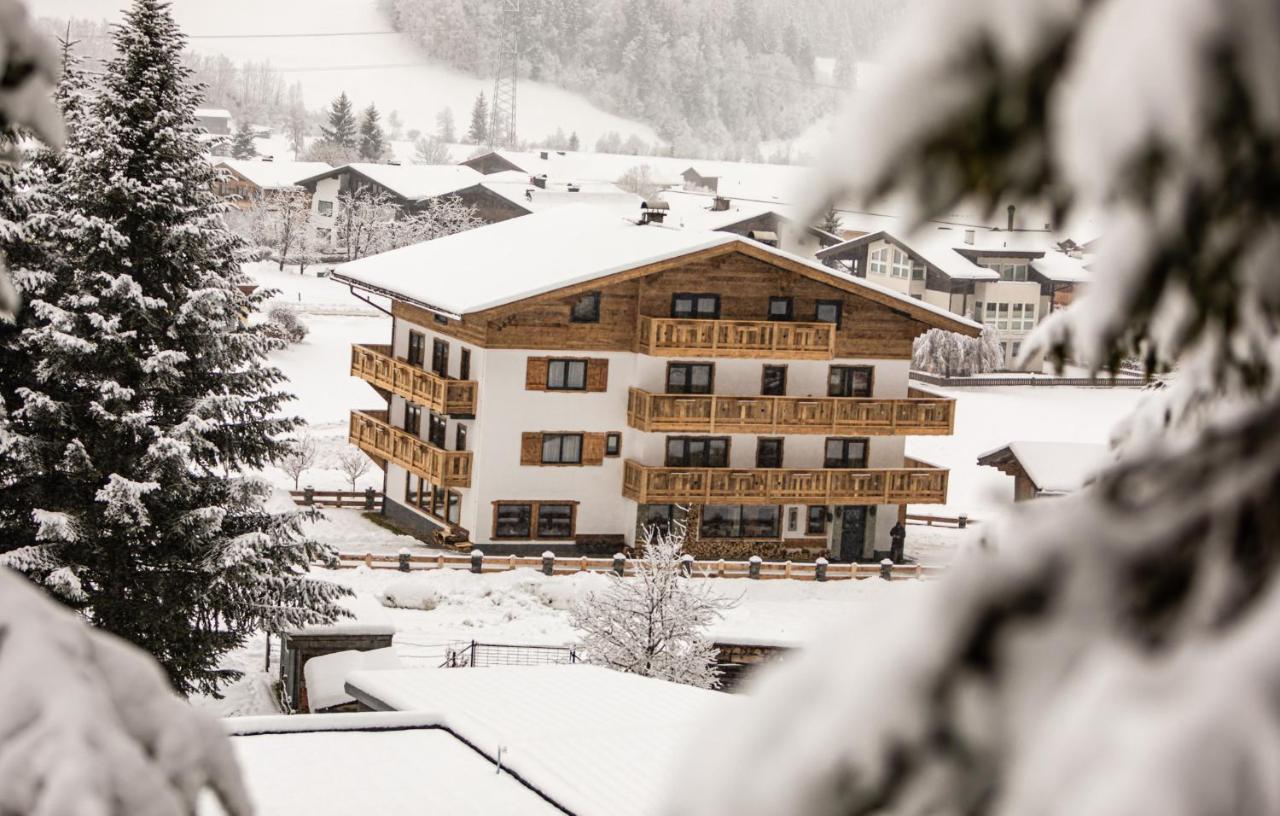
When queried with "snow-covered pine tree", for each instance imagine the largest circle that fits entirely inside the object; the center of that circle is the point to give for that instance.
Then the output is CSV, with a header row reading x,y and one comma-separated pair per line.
x,y
242,144
1113,651
341,130
445,129
830,222
654,622
575,143
949,354
138,394
373,144
478,132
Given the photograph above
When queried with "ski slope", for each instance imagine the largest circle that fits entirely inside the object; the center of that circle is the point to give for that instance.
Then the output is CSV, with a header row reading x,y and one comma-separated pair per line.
x,y
324,65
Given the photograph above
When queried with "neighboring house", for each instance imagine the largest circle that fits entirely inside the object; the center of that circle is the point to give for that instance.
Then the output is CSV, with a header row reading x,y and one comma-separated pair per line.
x,y
511,194
388,764
563,380
594,741
1009,280
409,186
776,225
1047,468
246,183
215,121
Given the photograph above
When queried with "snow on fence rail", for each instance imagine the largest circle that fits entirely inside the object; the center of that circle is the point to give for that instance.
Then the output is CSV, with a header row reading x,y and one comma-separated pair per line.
x,y
960,521
549,564
311,497
1045,380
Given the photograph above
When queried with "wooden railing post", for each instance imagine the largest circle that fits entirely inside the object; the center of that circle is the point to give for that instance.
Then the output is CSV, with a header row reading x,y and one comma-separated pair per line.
x,y
548,563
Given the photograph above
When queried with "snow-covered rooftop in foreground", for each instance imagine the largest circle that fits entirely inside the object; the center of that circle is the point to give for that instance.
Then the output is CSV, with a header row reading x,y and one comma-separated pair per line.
x,y
326,675
391,765
595,741
275,175
1058,467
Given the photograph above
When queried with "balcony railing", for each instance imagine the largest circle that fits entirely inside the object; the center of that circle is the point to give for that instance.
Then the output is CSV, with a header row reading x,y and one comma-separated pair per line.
x,y
375,365
376,437
706,413
675,337
662,485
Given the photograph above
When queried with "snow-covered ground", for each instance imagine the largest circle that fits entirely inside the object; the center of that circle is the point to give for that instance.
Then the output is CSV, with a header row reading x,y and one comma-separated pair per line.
x,y
411,84
308,292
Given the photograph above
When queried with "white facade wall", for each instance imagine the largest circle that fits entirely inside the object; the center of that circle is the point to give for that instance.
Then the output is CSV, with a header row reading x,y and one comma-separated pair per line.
x,y
327,191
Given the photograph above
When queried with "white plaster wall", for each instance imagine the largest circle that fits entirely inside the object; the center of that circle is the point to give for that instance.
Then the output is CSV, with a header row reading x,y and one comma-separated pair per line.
x,y
805,378
326,190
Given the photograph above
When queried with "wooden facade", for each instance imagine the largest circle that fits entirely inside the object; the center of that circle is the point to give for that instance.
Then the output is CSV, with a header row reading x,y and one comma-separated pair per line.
x,y
375,365
371,432
706,413
672,337
665,485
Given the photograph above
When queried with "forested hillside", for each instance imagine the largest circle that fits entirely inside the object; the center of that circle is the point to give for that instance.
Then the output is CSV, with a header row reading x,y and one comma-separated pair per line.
x,y
712,76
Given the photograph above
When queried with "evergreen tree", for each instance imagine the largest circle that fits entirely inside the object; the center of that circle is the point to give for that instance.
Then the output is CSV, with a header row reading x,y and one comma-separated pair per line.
x,y
373,144
138,395
342,123
478,133
574,142
830,221
445,130
242,145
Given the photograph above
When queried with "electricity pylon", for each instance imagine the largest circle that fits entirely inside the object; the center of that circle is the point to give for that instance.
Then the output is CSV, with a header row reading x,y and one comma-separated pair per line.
x,y
502,114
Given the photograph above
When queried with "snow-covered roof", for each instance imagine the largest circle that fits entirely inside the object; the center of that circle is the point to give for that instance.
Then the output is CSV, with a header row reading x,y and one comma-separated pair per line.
x,y
368,617
762,182
388,764
326,675
522,257
568,165
213,113
931,244
1057,467
275,175
692,210
1061,268
517,188
413,182
593,740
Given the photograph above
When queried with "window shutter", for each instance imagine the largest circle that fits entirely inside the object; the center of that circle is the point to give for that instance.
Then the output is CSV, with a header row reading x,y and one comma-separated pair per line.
x,y
535,376
597,375
531,448
593,449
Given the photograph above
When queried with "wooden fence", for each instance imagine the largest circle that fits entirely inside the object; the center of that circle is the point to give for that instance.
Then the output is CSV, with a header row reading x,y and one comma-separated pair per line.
x,y
985,380
477,562
367,498
960,521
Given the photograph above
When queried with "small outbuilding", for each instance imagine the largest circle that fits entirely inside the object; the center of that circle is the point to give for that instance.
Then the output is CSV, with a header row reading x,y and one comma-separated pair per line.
x,y
367,629
1047,468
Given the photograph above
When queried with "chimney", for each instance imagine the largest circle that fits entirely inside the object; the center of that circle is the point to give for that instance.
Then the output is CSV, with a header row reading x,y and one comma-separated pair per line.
x,y
653,211
970,236
540,181
720,204
1012,210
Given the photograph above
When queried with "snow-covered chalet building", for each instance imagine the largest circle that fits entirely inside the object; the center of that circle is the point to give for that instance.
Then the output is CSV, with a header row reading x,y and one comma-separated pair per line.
x,y
566,379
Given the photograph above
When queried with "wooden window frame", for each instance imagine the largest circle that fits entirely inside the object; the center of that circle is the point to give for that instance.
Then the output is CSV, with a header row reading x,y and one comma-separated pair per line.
x,y
737,533
871,380
763,440
711,385
595,374
586,297
764,373
560,436
686,438
677,296
573,521
416,412
839,306
464,364
460,437
437,357
613,444
420,347
845,440
790,313
437,421
815,520
534,516
566,362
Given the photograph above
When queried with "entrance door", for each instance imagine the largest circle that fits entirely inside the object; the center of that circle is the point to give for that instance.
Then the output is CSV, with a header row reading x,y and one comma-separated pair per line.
x,y
853,532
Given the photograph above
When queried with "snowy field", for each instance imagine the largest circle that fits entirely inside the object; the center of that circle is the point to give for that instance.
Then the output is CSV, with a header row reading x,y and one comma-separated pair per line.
x,y
410,85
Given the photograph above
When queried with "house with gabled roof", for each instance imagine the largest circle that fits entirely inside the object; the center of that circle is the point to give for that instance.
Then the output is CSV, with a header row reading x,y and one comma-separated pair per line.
x,y
567,380
246,183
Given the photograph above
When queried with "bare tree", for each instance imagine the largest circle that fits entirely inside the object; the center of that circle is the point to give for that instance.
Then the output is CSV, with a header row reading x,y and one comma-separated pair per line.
x,y
353,463
370,222
430,150
300,458
284,224
639,180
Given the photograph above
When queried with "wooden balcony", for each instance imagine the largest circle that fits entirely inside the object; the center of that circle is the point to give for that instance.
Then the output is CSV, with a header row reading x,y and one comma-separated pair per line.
x,y
675,337
662,485
371,432
376,366
707,413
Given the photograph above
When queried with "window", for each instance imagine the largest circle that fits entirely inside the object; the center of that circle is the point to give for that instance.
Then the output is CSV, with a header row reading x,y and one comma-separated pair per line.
x,y
740,521
1023,316
849,381
437,502
464,365
412,418
455,507
901,265
562,449
410,483
918,271
781,308
878,263
566,375
690,378
655,517
816,522
555,521
697,451
613,444
773,380
460,437
441,319
827,311
440,357
513,521
586,309
769,453
417,348
698,306
978,315
437,426
1014,348
325,208
998,315
846,453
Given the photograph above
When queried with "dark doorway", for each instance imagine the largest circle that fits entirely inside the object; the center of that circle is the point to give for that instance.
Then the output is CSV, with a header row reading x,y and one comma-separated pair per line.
x,y
853,532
